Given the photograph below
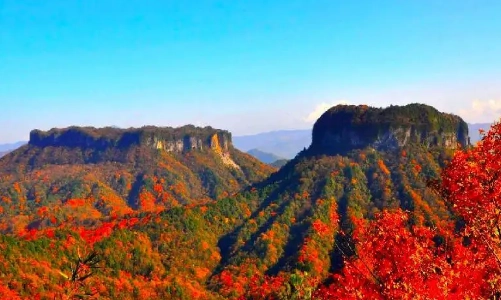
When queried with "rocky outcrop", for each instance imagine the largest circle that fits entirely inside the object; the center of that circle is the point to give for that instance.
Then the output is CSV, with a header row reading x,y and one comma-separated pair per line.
x,y
93,145
347,127
180,139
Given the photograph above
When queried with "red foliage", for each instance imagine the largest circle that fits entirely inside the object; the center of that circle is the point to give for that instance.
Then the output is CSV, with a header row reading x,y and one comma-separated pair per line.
x,y
264,287
226,280
472,184
6,293
42,211
92,236
394,261
49,233
320,227
28,234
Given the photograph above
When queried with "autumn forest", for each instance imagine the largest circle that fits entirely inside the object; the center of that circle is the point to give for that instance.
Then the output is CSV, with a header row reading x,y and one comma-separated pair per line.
x,y
386,203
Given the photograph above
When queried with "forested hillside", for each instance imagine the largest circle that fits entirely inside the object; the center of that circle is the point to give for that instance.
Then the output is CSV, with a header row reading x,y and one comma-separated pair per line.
x,y
365,212
89,174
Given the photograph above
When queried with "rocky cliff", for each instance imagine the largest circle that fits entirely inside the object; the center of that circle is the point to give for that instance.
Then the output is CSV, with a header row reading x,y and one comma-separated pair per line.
x,y
110,171
170,139
346,127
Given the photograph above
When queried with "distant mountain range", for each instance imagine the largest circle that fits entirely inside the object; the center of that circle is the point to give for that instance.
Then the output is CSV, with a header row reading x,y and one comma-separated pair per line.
x,y
288,143
6,148
11,146
264,156
279,163
283,143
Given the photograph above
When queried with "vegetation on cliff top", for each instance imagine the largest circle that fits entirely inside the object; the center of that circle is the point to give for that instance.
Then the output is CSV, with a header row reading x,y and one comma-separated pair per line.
x,y
117,137
366,224
360,126
51,185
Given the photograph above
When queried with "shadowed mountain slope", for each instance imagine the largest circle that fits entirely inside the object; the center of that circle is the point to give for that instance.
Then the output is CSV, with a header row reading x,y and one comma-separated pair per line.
x,y
281,236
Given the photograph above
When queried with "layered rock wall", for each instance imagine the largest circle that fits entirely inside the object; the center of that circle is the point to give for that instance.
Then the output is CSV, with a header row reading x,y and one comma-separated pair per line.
x,y
347,127
180,139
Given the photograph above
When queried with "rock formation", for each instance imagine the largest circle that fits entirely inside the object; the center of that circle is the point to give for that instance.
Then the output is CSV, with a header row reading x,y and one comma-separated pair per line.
x,y
166,138
346,127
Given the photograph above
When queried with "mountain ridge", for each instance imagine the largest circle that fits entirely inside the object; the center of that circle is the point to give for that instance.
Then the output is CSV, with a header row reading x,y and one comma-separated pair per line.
x,y
346,127
303,140
11,146
293,233
167,138
283,143
112,171
265,157
282,235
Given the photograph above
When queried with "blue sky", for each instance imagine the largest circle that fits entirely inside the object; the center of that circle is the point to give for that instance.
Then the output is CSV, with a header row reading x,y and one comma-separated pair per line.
x,y
246,66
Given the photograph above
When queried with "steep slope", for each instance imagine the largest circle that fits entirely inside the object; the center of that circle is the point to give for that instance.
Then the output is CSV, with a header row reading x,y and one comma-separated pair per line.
x,y
282,236
289,143
343,128
362,160
91,173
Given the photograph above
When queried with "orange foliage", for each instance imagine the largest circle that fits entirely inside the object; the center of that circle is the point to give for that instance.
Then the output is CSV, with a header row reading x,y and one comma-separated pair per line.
x,y
383,167
146,200
75,202
320,227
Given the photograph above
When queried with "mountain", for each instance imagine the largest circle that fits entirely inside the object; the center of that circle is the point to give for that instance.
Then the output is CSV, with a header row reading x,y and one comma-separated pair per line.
x,y
289,143
265,157
6,148
474,131
281,237
344,128
12,146
283,143
91,173
362,160
279,163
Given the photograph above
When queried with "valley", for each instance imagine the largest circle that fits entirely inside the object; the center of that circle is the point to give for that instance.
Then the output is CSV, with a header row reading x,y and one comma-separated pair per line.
x,y
195,218
250,150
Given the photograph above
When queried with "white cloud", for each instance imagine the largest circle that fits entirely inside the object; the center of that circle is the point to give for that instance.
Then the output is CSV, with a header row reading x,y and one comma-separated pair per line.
x,y
482,111
320,109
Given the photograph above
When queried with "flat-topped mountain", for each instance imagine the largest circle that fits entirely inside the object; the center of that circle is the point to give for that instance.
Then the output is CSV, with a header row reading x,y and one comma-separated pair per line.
x,y
282,237
83,145
167,138
111,171
362,161
346,127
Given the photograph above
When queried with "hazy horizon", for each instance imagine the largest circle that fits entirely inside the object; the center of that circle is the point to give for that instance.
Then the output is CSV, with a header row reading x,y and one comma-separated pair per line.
x,y
245,67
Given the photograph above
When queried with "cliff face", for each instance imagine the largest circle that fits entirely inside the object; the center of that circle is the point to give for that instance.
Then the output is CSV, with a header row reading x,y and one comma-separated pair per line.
x,y
111,171
347,127
180,139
